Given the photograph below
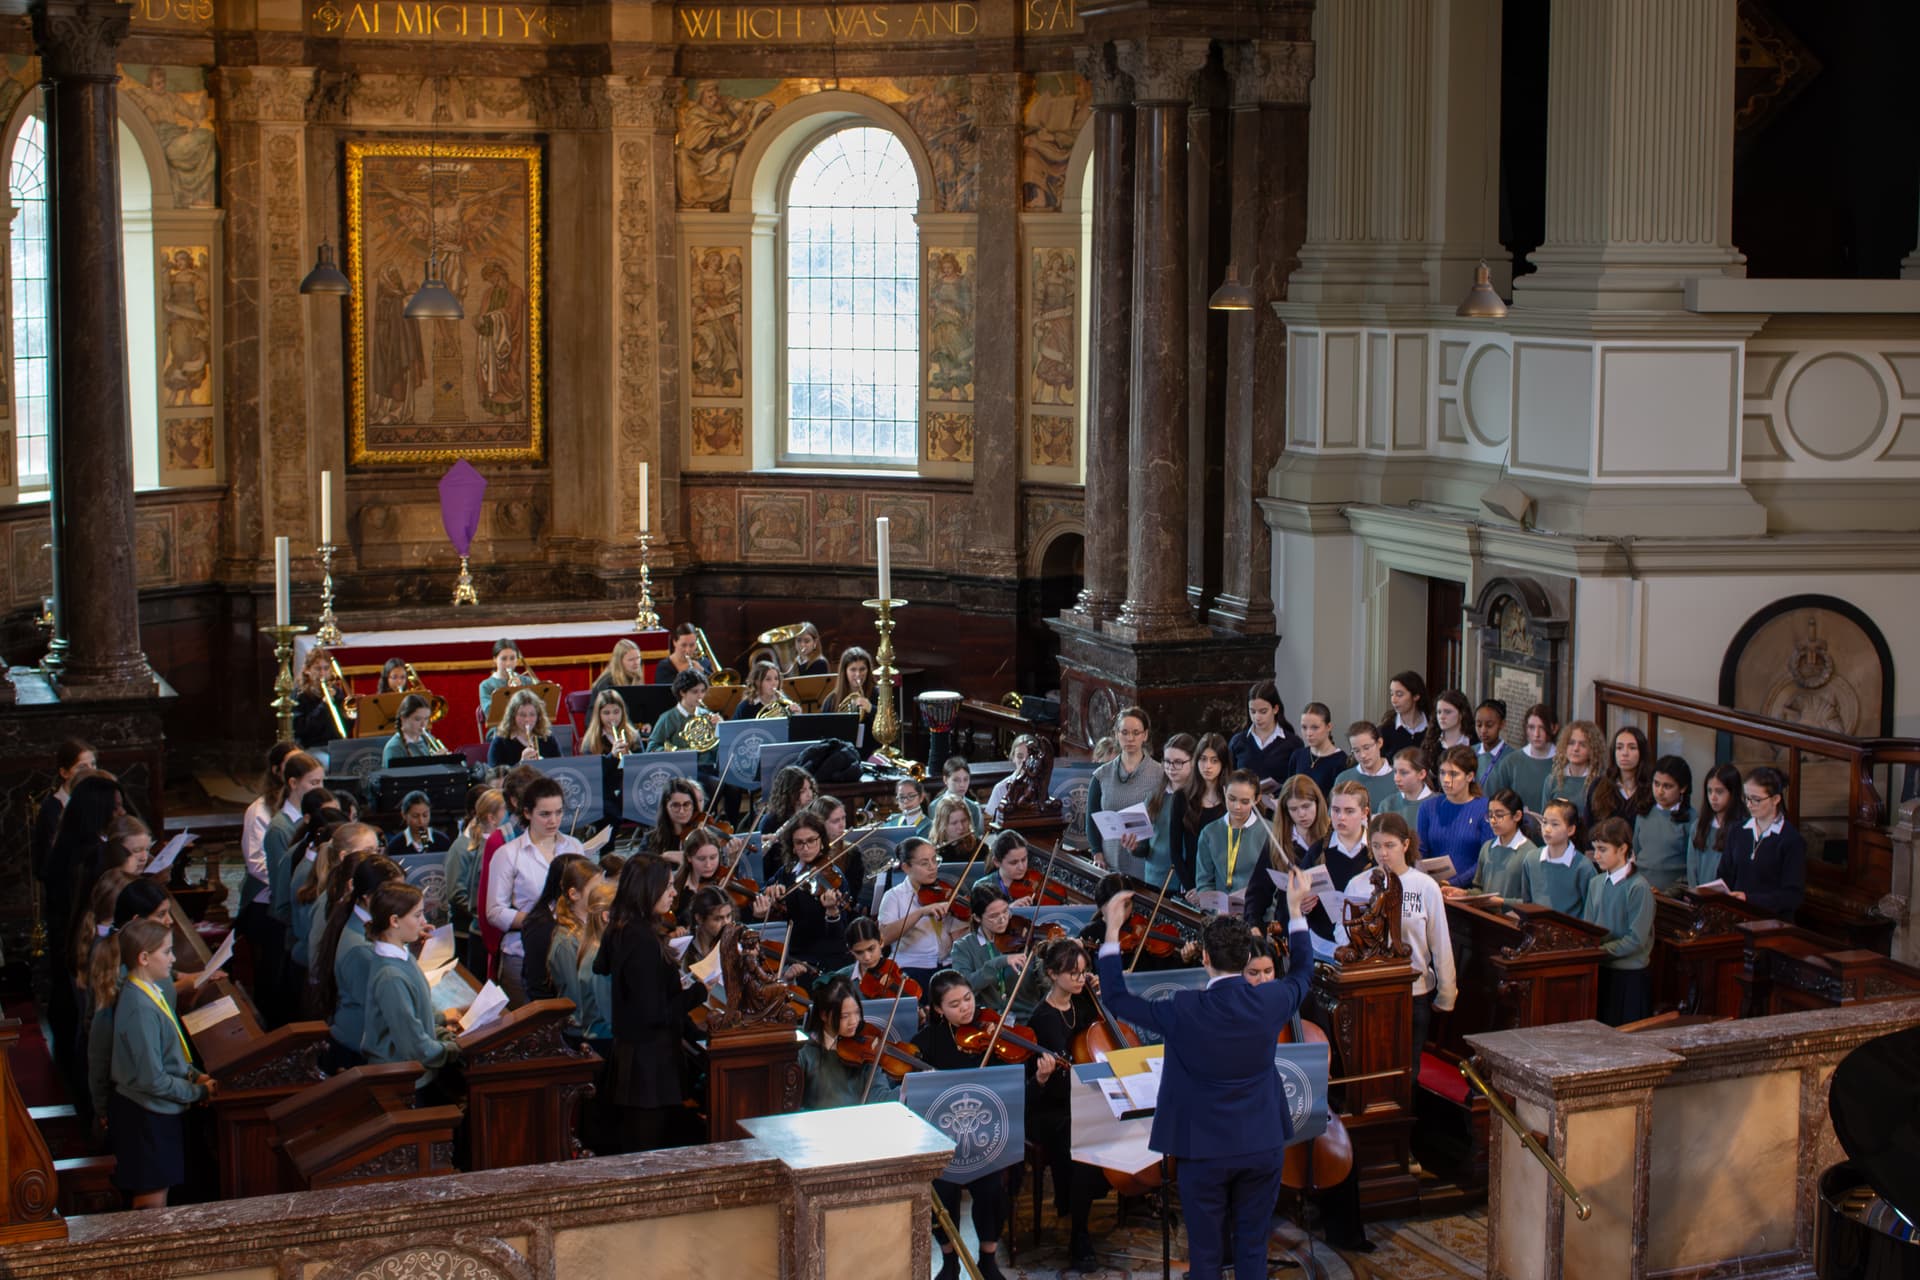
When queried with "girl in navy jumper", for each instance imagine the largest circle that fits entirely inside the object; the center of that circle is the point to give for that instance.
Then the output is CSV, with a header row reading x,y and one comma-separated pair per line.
x,y
1453,824
1318,756
1405,723
1305,838
1623,788
1765,865
1265,747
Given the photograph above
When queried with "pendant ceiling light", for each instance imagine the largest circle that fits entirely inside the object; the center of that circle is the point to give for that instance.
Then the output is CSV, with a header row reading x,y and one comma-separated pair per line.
x,y
1481,301
433,300
1231,295
325,276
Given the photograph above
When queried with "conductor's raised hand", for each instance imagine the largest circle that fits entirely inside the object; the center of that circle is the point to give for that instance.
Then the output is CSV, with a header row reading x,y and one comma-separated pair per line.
x,y
1115,913
1299,889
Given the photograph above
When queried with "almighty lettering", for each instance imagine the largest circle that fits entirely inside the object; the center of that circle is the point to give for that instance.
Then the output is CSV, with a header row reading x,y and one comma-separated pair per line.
x,y
422,20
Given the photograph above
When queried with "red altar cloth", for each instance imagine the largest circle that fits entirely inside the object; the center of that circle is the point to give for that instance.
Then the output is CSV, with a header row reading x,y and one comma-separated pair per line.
x,y
453,661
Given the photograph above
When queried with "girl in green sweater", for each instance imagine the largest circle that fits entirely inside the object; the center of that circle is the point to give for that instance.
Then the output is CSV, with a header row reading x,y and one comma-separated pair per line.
x,y
154,1078
1558,877
991,973
401,1025
1660,835
1504,857
1572,765
1620,901
569,926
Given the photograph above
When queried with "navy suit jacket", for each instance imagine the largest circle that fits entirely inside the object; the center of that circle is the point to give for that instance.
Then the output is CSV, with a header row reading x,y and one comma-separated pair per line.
x,y
1220,1096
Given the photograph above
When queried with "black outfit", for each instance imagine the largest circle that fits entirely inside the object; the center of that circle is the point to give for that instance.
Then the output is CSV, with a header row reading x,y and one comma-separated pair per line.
x,y
1266,902
66,863
505,752
312,722
1340,869
1324,770
812,937
536,935
818,667
1771,872
1627,808
1273,762
645,1083
936,1047
1394,739
437,842
1050,1117
1185,824
46,825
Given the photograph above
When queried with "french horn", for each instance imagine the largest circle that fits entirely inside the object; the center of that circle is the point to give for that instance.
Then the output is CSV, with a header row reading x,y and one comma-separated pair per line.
x,y
779,709
701,733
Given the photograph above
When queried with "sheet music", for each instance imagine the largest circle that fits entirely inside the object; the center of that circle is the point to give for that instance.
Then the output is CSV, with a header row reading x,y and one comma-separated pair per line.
x,y
1438,868
1711,886
164,860
486,1007
1211,901
437,955
1118,823
1319,880
219,958
598,841
212,1015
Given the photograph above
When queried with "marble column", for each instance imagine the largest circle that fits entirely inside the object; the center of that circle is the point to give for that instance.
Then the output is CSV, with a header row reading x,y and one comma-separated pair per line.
x,y
1110,354
1270,80
993,525
1209,247
1162,70
93,531
1639,154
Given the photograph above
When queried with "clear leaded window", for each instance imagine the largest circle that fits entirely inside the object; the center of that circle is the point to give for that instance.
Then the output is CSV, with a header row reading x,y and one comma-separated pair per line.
x,y
853,303
28,185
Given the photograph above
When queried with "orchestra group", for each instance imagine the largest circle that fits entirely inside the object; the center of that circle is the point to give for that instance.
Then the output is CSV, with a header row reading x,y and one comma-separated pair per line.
x,y
1431,792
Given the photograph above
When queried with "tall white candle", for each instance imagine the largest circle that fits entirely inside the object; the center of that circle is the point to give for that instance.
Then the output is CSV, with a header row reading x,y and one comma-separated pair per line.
x,y
282,586
644,526
886,558
326,507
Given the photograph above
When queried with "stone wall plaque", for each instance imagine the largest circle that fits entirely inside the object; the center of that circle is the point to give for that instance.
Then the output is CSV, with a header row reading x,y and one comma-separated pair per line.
x,y
1522,628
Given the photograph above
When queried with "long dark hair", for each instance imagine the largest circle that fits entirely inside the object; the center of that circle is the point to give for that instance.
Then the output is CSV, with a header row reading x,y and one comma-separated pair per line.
x,y
642,881
1603,792
1682,774
1416,685
1703,835
828,999
372,872
1268,691
556,881
1197,785
1430,740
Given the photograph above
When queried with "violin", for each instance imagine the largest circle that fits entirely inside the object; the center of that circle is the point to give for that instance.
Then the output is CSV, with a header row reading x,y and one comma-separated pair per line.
x,y
885,981
1019,935
1010,1045
944,893
864,1046
1160,939
705,818
1038,888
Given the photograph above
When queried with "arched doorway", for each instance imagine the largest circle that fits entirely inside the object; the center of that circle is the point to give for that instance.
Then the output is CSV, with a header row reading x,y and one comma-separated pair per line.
x,y
1050,589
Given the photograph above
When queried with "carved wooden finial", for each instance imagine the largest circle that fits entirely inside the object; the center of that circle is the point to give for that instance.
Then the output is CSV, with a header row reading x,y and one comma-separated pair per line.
x,y
753,999
1373,928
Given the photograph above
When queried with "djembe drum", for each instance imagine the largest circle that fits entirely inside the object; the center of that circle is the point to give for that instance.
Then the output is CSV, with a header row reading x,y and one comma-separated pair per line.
x,y
939,708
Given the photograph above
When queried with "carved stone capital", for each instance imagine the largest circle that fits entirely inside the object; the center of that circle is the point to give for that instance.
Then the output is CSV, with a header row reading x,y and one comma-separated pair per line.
x,y
996,100
643,102
1270,72
264,94
1162,67
1111,86
80,39
568,102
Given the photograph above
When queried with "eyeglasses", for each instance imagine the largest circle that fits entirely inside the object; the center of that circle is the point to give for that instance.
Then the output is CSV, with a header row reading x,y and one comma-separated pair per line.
x,y
1753,799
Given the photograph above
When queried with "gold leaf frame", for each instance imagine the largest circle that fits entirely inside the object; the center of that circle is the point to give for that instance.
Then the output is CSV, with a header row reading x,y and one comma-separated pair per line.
x,y
358,153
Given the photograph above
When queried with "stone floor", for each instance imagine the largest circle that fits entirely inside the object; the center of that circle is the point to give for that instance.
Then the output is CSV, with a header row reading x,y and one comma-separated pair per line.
x,y
1434,1248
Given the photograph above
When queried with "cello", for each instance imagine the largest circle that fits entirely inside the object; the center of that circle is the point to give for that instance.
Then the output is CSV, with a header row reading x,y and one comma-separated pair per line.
x,y
1325,1162
1102,1036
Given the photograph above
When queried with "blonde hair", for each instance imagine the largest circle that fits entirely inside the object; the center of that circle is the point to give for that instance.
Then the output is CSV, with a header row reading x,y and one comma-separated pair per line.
x,y
577,875
491,798
599,902
591,742
616,672
542,728
1302,786
99,911
1355,789
1587,729
937,824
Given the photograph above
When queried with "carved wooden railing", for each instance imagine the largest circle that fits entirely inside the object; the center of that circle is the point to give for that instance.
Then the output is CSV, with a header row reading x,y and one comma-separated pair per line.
x,y
1851,901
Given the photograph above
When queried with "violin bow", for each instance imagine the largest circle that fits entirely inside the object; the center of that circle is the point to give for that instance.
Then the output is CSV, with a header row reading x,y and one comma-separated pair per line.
x,y
1046,872
1151,915
960,881
1033,938
900,989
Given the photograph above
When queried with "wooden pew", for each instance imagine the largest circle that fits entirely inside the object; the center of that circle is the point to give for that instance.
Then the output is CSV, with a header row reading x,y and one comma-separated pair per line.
x,y
362,1126
1518,965
1699,952
525,1085
29,1209
256,1070
1789,969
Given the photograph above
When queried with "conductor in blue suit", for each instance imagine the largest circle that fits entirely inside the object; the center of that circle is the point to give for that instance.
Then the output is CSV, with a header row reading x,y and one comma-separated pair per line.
x,y
1222,1112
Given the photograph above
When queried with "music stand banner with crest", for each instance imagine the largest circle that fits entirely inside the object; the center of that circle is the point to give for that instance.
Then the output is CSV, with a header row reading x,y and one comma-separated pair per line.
x,y
983,1110
644,779
741,742
583,784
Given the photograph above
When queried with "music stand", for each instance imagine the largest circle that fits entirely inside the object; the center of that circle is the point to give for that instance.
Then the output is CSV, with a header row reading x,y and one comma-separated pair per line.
x,y
645,702
820,726
741,742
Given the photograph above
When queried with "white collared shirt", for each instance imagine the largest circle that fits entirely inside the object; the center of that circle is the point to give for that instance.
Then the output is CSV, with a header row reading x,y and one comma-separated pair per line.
x,y
1562,859
1620,872
391,950
1386,767
1359,846
1263,743
1538,755
1773,828
1424,793
1410,728
1519,838
364,916
514,882
253,837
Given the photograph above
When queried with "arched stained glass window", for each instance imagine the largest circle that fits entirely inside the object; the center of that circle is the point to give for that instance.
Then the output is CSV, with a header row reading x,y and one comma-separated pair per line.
x,y
27,182
852,310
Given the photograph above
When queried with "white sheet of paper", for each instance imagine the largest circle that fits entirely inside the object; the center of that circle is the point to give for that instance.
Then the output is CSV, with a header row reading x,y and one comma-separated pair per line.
x,y
438,953
220,957
1438,868
164,860
1319,880
1143,1089
707,967
1712,886
1133,821
1116,1097
599,841
210,1015
487,1006
1211,901
680,944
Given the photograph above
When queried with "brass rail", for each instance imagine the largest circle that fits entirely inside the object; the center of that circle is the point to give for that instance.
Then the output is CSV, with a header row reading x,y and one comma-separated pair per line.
x,y
953,1238
1581,1208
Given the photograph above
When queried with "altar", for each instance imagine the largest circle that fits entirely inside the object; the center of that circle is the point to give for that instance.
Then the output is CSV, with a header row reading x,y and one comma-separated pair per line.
x,y
452,661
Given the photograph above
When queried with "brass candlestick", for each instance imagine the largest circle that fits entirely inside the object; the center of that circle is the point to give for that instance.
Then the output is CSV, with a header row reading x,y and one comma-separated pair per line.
x,y
329,632
283,682
644,617
463,592
886,724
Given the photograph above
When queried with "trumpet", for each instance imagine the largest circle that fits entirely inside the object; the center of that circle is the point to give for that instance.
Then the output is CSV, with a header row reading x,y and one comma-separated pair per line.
x,y
433,745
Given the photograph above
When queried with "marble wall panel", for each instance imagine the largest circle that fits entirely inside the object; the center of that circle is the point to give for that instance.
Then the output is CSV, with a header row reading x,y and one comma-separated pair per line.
x,y
1723,1169
1601,1149
872,1241
679,1247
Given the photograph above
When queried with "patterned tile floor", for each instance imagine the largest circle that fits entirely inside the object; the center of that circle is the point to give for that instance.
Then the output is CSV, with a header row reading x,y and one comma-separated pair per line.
x,y
1437,1248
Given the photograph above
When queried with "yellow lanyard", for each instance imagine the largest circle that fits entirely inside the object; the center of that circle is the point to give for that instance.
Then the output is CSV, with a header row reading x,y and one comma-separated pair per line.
x,y
1233,850
167,1009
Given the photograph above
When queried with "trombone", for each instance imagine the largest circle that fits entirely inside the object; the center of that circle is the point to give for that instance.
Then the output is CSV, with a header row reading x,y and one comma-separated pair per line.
x,y
416,685
348,707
